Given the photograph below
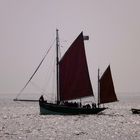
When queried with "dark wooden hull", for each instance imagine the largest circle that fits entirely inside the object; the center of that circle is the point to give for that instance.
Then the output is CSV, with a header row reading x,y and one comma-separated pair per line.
x,y
55,109
135,111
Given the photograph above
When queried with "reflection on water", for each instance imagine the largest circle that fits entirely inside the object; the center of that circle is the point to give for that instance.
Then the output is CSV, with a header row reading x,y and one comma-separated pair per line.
x,y
21,120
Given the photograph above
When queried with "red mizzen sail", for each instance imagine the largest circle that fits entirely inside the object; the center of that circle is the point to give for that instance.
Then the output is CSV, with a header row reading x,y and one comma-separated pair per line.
x,y
73,72
107,91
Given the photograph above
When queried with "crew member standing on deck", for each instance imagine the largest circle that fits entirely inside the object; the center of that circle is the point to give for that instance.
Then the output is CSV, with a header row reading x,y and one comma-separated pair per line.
x,y
41,99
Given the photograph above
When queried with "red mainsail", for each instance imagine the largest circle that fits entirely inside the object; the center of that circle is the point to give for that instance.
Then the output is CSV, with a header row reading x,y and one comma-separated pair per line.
x,y
73,72
107,91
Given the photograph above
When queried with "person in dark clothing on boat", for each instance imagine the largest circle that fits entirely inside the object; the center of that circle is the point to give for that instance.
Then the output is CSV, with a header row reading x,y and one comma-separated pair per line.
x,y
41,99
93,105
87,106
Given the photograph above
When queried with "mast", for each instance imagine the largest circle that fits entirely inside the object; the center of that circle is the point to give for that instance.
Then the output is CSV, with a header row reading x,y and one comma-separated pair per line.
x,y
57,66
98,87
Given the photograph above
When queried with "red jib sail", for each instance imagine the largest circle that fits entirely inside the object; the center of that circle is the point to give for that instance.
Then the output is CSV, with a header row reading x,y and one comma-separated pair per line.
x,y
74,76
107,91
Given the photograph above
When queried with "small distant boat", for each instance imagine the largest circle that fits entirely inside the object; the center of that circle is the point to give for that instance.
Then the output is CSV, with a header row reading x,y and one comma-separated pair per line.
x,y
135,111
73,82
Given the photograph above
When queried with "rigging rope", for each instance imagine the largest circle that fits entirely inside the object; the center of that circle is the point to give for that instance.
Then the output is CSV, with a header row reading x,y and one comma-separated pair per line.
x,y
35,70
50,75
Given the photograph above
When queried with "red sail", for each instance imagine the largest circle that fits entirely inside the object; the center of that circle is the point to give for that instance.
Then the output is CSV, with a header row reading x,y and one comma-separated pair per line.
x,y
74,76
107,91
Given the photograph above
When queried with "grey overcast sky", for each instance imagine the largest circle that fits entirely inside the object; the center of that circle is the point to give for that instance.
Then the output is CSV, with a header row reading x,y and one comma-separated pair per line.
x,y
27,29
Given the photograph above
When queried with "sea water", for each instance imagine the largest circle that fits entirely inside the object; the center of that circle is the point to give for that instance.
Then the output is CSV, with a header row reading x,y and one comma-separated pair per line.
x,y
21,120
